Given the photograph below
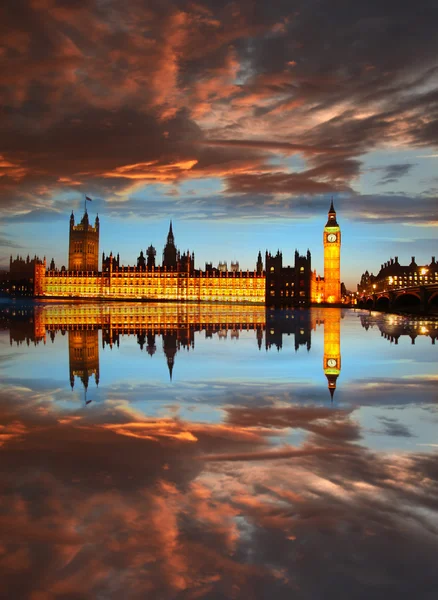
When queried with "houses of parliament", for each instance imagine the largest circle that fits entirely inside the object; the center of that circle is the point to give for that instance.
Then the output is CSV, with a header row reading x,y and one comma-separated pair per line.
x,y
176,278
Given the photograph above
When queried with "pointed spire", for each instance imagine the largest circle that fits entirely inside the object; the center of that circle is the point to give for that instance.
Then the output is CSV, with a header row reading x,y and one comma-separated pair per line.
x,y
332,393
331,222
170,236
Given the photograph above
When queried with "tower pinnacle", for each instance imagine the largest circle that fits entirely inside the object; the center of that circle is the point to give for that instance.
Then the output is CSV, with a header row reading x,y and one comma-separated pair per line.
x,y
170,236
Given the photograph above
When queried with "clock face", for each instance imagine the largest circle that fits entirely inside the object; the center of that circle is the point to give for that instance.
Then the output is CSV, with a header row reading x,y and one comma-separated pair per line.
x,y
332,362
331,237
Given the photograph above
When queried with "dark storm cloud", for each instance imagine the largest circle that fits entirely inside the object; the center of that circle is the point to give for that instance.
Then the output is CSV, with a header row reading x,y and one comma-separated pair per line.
x,y
392,173
104,98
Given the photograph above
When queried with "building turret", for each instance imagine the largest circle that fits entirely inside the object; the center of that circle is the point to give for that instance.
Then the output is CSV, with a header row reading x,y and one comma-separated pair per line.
x,y
83,252
234,266
141,261
151,253
170,259
331,221
259,266
170,236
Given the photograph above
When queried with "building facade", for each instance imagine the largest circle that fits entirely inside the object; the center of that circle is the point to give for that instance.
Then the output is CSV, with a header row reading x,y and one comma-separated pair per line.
x,y
176,279
26,276
291,285
393,276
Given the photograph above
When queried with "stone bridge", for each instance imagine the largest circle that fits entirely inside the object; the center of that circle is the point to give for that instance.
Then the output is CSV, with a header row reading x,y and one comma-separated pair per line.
x,y
418,298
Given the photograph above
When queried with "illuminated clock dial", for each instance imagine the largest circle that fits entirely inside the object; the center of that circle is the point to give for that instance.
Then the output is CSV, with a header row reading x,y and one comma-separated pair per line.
x,y
331,362
331,237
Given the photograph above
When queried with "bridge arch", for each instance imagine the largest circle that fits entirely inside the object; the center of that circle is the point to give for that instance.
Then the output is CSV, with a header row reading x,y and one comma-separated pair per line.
x,y
433,300
409,301
382,303
369,303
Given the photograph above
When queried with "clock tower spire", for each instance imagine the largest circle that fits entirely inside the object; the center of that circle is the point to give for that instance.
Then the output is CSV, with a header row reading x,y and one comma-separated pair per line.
x,y
332,259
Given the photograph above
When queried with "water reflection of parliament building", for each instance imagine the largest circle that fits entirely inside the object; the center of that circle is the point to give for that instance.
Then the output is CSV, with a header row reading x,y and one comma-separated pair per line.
x,y
171,326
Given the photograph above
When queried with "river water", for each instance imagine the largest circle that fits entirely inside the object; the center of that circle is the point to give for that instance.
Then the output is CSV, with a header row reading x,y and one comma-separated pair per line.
x,y
184,451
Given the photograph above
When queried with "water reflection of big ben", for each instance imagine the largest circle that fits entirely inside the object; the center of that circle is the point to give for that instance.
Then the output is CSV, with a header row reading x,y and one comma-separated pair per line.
x,y
83,350
332,347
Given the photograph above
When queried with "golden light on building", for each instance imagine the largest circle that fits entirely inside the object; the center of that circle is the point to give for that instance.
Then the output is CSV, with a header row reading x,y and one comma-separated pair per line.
x,y
332,259
176,279
157,284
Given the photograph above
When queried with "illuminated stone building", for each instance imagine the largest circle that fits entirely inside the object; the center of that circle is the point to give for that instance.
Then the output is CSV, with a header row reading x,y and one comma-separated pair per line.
x,y
177,279
83,248
393,275
329,290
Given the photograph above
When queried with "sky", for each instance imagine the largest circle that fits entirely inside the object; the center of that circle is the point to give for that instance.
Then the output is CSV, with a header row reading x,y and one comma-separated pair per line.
x,y
237,120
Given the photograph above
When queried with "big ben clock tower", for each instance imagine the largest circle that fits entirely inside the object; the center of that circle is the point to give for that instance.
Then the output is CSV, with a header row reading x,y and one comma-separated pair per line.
x,y
332,259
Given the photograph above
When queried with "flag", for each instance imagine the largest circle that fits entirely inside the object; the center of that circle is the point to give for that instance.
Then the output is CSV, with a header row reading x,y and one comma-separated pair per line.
x,y
89,199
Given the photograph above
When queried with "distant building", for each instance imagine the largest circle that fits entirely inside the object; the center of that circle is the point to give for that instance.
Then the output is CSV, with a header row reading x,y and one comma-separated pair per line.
x,y
393,275
26,277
